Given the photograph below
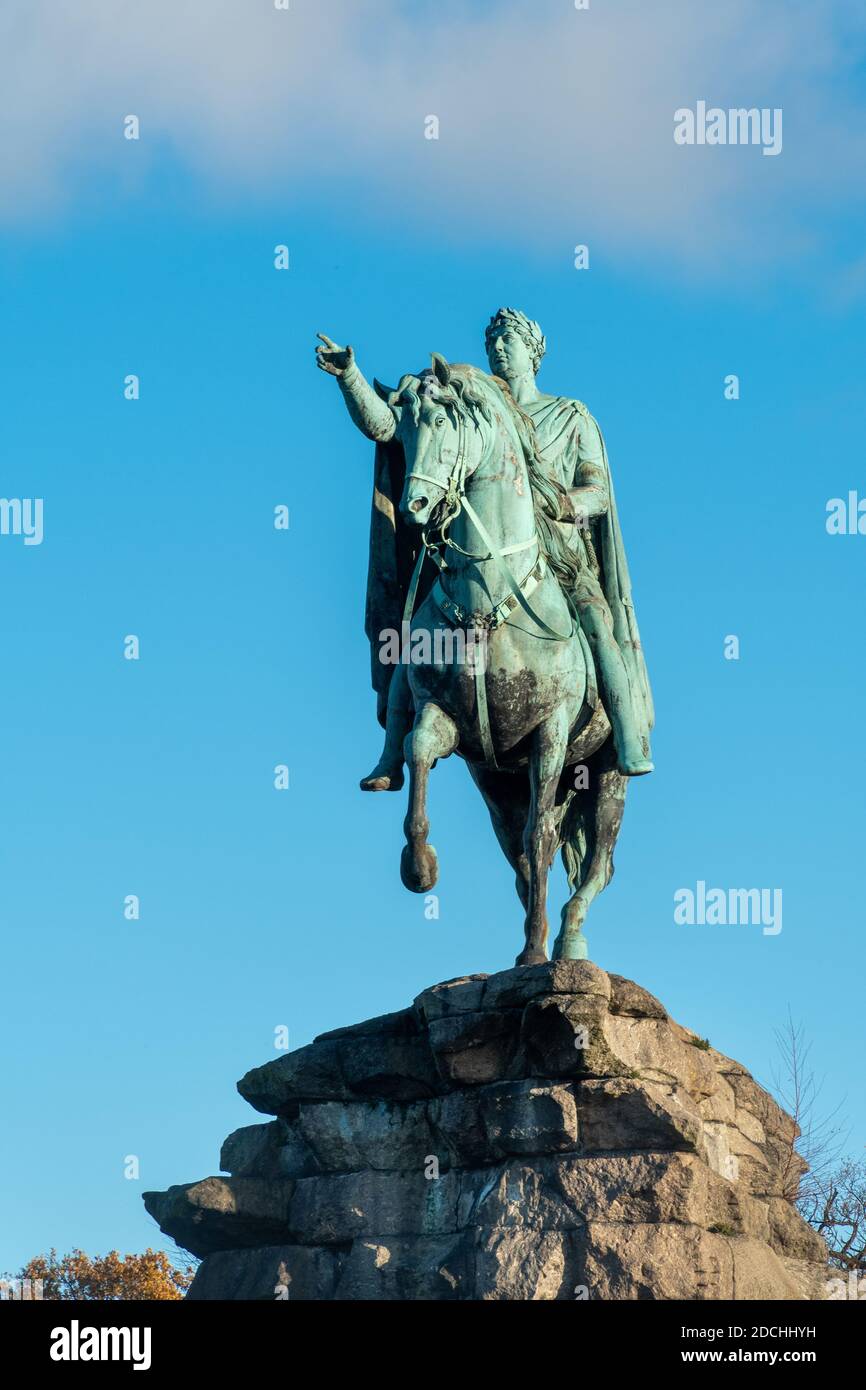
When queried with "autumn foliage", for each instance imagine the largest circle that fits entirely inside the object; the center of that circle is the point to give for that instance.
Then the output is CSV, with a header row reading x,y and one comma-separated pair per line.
x,y
106,1278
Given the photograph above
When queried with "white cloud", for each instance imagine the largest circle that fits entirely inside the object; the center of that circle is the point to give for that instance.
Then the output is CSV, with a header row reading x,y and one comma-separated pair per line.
x,y
556,124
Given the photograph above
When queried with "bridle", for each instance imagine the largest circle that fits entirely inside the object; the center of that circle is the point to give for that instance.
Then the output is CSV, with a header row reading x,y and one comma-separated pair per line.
x,y
454,489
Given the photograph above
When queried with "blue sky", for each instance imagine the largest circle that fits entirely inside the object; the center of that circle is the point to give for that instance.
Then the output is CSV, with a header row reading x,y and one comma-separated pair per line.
x,y
155,777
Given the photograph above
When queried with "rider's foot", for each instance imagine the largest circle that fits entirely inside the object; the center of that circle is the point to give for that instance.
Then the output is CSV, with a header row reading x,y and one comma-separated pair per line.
x,y
385,777
636,767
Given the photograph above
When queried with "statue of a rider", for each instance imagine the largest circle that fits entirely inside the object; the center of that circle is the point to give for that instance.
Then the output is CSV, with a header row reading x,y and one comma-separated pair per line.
x,y
572,452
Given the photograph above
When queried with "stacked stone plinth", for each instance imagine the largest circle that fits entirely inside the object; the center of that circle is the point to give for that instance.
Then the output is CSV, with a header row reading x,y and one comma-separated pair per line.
x,y
544,1133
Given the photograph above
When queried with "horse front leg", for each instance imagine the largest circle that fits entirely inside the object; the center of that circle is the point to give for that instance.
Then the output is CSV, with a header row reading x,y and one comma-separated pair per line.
x,y
433,735
546,761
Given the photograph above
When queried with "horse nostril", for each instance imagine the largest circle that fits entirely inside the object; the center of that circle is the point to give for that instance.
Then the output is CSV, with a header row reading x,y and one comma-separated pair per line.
x,y
418,505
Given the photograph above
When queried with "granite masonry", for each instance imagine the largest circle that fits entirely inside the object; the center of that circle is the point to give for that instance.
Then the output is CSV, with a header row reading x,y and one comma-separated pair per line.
x,y
544,1133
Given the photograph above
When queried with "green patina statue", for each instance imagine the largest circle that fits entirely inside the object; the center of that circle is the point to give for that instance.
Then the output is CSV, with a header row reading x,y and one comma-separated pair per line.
x,y
494,519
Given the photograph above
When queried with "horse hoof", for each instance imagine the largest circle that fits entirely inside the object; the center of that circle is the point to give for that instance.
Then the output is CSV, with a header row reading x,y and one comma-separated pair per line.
x,y
383,781
530,955
419,869
571,946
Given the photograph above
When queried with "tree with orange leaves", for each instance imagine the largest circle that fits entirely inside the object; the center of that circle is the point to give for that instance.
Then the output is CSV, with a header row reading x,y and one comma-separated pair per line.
x,y
108,1278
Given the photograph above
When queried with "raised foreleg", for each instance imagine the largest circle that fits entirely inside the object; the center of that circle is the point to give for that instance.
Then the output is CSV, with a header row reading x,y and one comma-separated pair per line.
x,y
433,735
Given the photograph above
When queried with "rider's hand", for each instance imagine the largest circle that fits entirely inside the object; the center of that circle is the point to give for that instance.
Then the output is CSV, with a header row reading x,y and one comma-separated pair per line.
x,y
567,510
332,358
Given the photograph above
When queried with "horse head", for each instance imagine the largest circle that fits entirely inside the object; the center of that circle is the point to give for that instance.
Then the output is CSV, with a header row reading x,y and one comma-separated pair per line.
x,y
437,425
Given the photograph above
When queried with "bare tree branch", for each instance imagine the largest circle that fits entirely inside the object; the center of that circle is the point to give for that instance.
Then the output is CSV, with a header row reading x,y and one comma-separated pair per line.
x,y
831,1193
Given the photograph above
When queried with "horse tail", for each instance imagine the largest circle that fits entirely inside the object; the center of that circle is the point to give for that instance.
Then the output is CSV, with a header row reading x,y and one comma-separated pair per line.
x,y
576,836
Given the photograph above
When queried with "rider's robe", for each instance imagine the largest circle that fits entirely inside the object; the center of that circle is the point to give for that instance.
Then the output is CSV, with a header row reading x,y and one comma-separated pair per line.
x,y
573,452
394,549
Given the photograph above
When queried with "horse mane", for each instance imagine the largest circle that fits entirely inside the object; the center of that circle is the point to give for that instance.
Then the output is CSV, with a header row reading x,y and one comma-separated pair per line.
x,y
474,392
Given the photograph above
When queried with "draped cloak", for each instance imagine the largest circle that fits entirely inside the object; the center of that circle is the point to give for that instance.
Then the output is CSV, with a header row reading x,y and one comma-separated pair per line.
x,y
394,550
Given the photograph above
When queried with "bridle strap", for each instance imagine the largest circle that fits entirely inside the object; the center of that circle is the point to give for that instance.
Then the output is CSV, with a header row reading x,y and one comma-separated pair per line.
x,y
409,605
517,592
437,482
484,729
454,489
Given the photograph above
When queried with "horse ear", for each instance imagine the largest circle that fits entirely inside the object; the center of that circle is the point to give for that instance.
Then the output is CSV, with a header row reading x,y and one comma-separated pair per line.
x,y
383,392
441,369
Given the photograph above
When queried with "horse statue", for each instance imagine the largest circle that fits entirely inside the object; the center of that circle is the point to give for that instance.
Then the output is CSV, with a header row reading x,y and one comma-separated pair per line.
x,y
524,712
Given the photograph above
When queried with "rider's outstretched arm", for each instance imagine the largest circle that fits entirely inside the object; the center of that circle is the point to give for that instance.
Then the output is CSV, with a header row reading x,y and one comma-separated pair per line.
x,y
372,416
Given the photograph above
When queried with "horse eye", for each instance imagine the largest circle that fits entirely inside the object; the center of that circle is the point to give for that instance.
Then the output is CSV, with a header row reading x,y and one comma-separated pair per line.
x,y
440,420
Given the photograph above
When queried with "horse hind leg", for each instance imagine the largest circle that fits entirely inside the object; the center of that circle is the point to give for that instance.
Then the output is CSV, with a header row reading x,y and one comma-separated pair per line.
x,y
506,795
607,812
541,840
434,735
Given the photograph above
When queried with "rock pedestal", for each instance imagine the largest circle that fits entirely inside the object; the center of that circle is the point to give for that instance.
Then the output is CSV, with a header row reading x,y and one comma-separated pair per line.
x,y
544,1133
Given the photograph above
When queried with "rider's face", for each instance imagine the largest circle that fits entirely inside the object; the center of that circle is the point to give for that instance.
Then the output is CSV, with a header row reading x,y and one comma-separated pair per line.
x,y
508,354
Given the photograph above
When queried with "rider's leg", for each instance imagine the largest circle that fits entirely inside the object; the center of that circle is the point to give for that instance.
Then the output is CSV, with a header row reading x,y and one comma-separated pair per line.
x,y
387,775
632,758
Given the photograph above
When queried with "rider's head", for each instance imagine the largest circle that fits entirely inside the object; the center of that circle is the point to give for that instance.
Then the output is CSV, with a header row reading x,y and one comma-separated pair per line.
x,y
515,344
